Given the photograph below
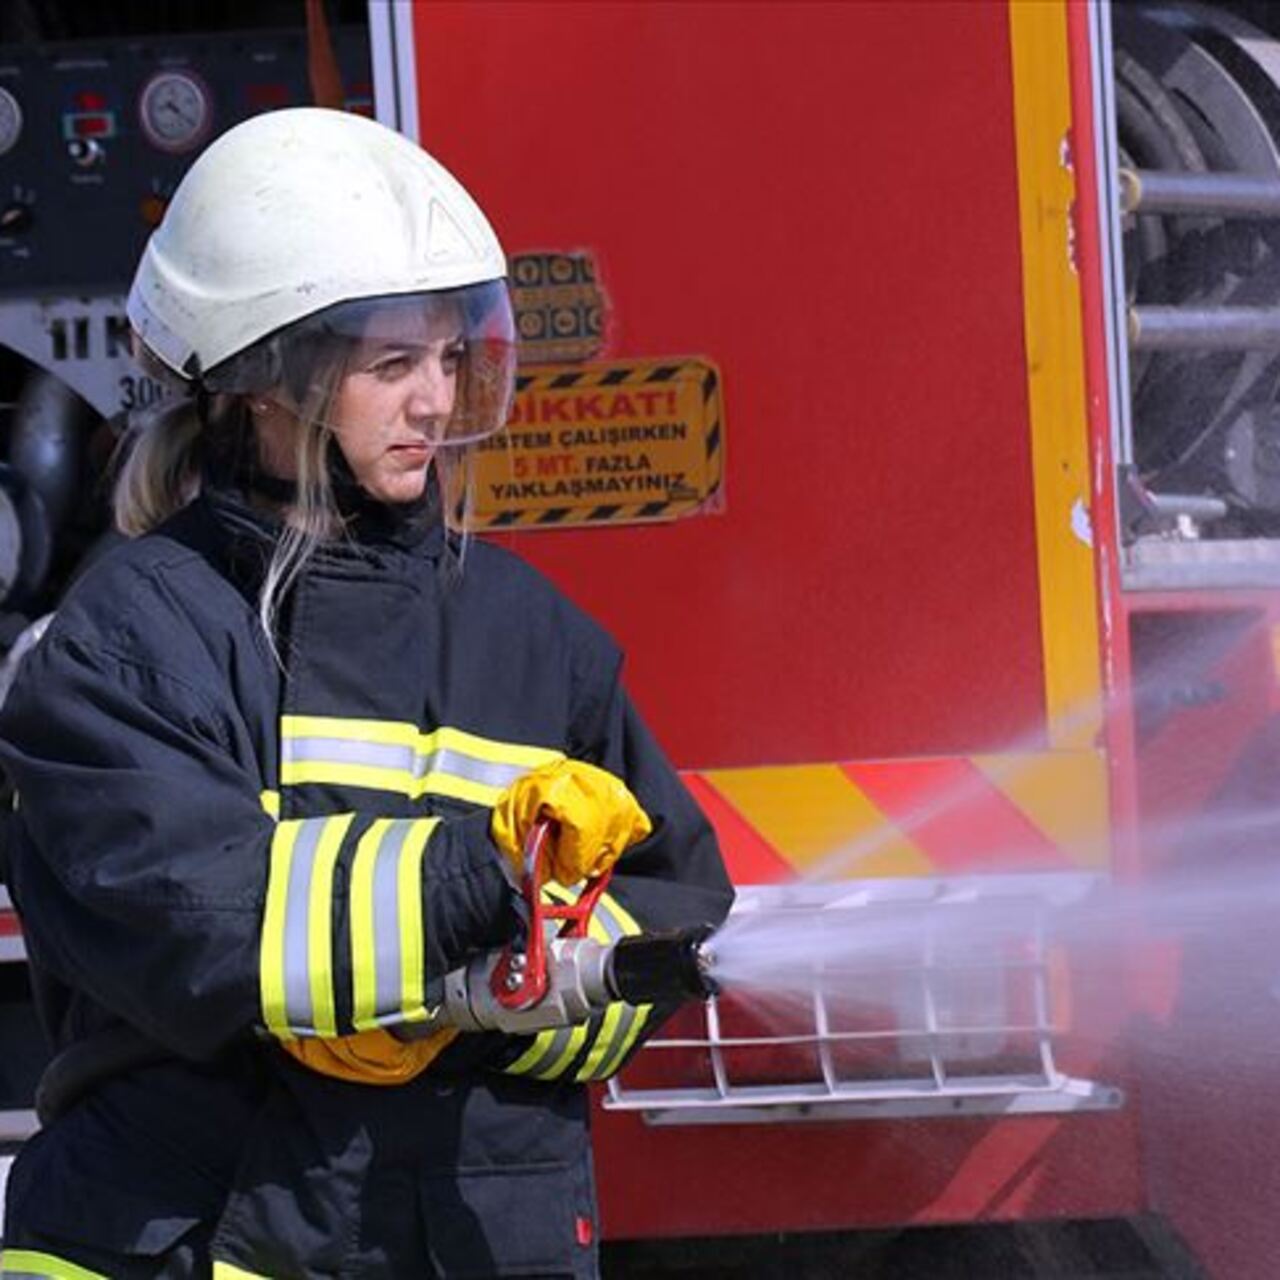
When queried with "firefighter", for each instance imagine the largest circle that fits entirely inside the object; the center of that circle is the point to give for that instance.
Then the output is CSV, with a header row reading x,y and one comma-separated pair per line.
x,y
278,755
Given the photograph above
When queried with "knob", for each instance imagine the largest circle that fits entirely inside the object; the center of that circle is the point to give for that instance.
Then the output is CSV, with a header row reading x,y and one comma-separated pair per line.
x,y
86,152
15,217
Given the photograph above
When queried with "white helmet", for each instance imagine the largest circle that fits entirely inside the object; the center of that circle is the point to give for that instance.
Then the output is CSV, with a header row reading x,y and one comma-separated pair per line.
x,y
294,212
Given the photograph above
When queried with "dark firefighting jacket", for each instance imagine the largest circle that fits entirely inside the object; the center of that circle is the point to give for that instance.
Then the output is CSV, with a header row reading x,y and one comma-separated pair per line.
x,y
221,846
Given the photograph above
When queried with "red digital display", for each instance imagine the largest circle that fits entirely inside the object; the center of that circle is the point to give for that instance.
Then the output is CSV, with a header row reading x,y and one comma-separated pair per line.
x,y
87,101
88,124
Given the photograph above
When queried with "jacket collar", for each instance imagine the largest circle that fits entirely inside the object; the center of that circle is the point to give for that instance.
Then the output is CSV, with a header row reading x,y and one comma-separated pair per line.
x,y
232,482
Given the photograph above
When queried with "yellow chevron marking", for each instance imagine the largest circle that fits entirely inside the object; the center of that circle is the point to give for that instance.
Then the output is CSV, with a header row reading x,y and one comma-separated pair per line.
x,y
813,814
1063,794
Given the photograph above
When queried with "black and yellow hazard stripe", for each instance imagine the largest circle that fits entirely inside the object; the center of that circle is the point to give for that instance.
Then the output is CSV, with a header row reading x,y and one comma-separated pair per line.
x,y
593,1050
385,755
621,376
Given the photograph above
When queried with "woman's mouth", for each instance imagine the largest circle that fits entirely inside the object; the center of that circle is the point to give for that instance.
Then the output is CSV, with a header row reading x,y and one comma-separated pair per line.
x,y
413,452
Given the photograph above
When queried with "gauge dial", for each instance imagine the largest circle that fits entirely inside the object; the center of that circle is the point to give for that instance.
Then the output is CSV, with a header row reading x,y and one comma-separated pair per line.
x,y
175,110
10,121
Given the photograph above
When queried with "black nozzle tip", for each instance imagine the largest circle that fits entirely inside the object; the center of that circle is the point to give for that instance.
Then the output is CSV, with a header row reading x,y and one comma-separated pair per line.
x,y
664,968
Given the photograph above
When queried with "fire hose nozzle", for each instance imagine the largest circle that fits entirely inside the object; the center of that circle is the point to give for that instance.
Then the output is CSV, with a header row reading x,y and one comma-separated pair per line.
x,y
583,977
664,968
563,981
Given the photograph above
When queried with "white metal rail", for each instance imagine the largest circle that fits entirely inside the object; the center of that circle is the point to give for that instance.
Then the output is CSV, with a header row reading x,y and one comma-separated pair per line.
x,y
946,1009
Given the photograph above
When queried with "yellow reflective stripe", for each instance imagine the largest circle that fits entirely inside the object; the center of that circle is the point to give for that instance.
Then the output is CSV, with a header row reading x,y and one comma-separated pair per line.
x,y
455,788
402,733
364,951
271,960
405,735
541,1045
413,1002
320,925
17,1263
564,896
370,776
614,1061
577,1038
270,802
388,732
603,1042
595,927
626,921
512,753
228,1271
319,749
622,1022
399,781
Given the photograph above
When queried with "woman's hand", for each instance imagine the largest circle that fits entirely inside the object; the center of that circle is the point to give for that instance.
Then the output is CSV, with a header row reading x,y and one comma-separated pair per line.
x,y
594,819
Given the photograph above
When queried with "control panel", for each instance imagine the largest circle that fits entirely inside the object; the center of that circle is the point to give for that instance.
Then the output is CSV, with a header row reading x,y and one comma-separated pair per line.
x,y
95,135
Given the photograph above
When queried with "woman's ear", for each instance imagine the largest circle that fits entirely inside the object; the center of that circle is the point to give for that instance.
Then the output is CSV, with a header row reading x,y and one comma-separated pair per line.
x,y
275,430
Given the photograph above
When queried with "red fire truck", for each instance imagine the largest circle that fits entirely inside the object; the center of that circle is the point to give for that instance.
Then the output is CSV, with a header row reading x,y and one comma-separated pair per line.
x,y
899,387
982,575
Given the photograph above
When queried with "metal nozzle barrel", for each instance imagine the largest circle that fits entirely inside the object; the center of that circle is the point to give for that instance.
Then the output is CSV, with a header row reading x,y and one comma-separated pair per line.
x,y
663,968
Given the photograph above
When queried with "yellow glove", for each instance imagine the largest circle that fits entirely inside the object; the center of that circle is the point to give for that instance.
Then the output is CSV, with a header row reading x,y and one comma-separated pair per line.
x,y
370,1057
596,819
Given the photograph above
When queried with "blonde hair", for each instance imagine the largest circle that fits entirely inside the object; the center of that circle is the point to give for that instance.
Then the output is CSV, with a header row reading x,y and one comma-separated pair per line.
x,y
160,472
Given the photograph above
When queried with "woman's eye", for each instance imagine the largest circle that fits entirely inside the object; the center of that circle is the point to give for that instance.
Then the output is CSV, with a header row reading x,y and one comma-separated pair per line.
x,y
390,367
453,355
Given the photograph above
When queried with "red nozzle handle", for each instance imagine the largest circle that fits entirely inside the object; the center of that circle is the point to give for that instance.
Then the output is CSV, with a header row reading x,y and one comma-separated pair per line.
x,y
520,977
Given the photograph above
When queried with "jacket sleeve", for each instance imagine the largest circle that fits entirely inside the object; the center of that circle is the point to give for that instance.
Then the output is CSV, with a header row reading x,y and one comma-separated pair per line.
x,y
149,876
673,879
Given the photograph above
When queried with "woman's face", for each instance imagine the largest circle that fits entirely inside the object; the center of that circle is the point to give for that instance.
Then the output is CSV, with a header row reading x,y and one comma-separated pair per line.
x,y
391,407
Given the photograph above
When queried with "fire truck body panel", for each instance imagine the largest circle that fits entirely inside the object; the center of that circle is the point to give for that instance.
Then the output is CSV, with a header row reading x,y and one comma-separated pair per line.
x,y
770,187
775,188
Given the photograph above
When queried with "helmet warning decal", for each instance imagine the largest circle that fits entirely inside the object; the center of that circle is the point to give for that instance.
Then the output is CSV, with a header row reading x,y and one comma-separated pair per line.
x,y
612,442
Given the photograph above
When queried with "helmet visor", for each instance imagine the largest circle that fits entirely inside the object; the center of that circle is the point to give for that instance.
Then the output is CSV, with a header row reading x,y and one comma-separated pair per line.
x,y
438,367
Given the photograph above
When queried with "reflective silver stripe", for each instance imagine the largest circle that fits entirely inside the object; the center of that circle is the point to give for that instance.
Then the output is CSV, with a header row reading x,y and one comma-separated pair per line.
x,y
378,755
549,1055
554,1051
386,921
486,772
400,759
602,1060
624,1042
297,966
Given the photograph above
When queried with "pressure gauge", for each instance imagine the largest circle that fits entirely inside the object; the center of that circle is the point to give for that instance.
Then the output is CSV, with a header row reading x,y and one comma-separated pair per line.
x,y
176,110
10,121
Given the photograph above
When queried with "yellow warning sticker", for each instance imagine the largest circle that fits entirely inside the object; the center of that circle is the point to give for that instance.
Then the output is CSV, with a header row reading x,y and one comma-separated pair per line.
x,y
612,442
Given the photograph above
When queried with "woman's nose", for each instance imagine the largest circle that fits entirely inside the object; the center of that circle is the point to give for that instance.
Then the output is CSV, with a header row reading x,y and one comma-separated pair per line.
x,y
431,390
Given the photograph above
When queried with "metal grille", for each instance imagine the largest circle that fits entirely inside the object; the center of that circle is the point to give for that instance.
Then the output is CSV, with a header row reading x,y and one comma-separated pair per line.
x,y
925,997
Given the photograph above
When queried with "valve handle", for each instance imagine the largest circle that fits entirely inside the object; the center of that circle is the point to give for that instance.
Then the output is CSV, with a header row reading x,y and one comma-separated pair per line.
x,y
520,977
